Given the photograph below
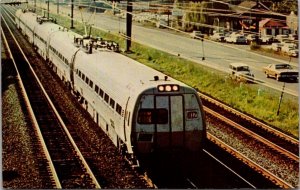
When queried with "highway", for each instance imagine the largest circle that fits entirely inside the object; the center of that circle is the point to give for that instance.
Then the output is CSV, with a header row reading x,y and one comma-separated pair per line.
x,y
217,55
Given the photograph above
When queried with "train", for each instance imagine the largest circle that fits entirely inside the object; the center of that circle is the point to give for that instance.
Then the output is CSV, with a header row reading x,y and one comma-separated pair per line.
x,y
140,109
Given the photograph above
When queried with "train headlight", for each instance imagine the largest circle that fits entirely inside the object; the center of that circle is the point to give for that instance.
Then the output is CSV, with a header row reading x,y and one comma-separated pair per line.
x,y
161,88
168,88
175,88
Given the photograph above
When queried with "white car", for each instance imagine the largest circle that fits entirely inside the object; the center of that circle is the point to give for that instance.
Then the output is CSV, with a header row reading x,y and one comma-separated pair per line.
x,y
276,46
281,37
217,37
237,39
241,72
268,39
293,52
197,34
228,39
287,47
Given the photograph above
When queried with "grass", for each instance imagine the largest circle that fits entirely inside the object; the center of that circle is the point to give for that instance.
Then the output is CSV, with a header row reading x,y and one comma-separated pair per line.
x,y
261,102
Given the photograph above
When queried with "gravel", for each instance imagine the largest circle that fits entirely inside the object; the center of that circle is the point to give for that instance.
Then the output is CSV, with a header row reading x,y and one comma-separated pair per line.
x,y
18,159
270,160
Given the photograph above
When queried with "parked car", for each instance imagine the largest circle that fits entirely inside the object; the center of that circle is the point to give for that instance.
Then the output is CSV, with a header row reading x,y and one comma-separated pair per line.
x,y
240,39
281,37
241,72
268,39
293,52
161,24
276,46
287,46
228,39
229,36
197,34
293,36
281,71
217,37
252,38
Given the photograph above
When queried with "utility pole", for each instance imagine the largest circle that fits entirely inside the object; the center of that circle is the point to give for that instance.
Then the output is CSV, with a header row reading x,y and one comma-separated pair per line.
x,y
128,25
280,100
48,9
257,23
72,10
57,6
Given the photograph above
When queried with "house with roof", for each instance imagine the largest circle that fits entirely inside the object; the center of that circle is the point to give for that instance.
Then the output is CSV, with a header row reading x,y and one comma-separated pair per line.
x,y
248,14
273,27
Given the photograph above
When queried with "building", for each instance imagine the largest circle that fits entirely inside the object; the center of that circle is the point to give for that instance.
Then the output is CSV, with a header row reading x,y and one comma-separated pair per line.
x,y
273,27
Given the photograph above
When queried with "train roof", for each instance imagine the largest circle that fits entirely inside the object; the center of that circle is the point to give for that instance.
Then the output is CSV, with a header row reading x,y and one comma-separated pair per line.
x,y
29,17
121,74
63,42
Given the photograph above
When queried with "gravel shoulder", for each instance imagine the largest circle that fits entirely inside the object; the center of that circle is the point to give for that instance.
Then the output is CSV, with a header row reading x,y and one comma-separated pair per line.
x,y
18,157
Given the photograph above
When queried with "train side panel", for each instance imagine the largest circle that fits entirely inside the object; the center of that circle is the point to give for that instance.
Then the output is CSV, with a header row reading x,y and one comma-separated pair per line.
x,y
105,105
61,52
27,23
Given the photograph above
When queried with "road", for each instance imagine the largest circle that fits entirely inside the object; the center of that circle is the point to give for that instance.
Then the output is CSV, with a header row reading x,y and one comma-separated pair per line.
x,y
216,55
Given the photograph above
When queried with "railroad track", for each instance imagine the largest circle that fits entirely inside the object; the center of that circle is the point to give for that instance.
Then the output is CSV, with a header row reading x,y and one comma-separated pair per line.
x,y
256,167
273,135
66,163
254,135
247,129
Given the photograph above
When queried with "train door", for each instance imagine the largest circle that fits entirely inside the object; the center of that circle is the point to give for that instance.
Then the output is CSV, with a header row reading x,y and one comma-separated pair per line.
x,y
169,122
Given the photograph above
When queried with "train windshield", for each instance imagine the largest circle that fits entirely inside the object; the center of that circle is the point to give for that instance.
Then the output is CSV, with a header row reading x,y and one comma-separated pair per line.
x,y
153,116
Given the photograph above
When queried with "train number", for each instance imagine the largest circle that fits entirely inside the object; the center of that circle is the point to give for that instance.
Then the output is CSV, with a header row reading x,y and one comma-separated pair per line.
x,y
192,114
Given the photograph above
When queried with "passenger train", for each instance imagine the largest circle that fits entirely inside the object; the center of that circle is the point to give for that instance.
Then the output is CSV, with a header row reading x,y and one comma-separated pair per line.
x,y
139,108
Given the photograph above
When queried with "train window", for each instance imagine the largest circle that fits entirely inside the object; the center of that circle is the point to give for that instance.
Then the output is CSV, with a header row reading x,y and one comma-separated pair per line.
x,y
118,109
112,103
83,76
101,93
96,89
152,116
91,83
106,98
87,80
145,116
79,73
161,116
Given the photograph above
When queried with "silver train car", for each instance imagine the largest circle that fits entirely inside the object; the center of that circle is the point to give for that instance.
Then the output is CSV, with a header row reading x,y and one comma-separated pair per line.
x,y
139,108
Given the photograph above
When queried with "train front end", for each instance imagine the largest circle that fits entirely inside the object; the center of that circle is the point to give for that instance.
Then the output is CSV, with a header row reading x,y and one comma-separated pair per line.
x,y
168,117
